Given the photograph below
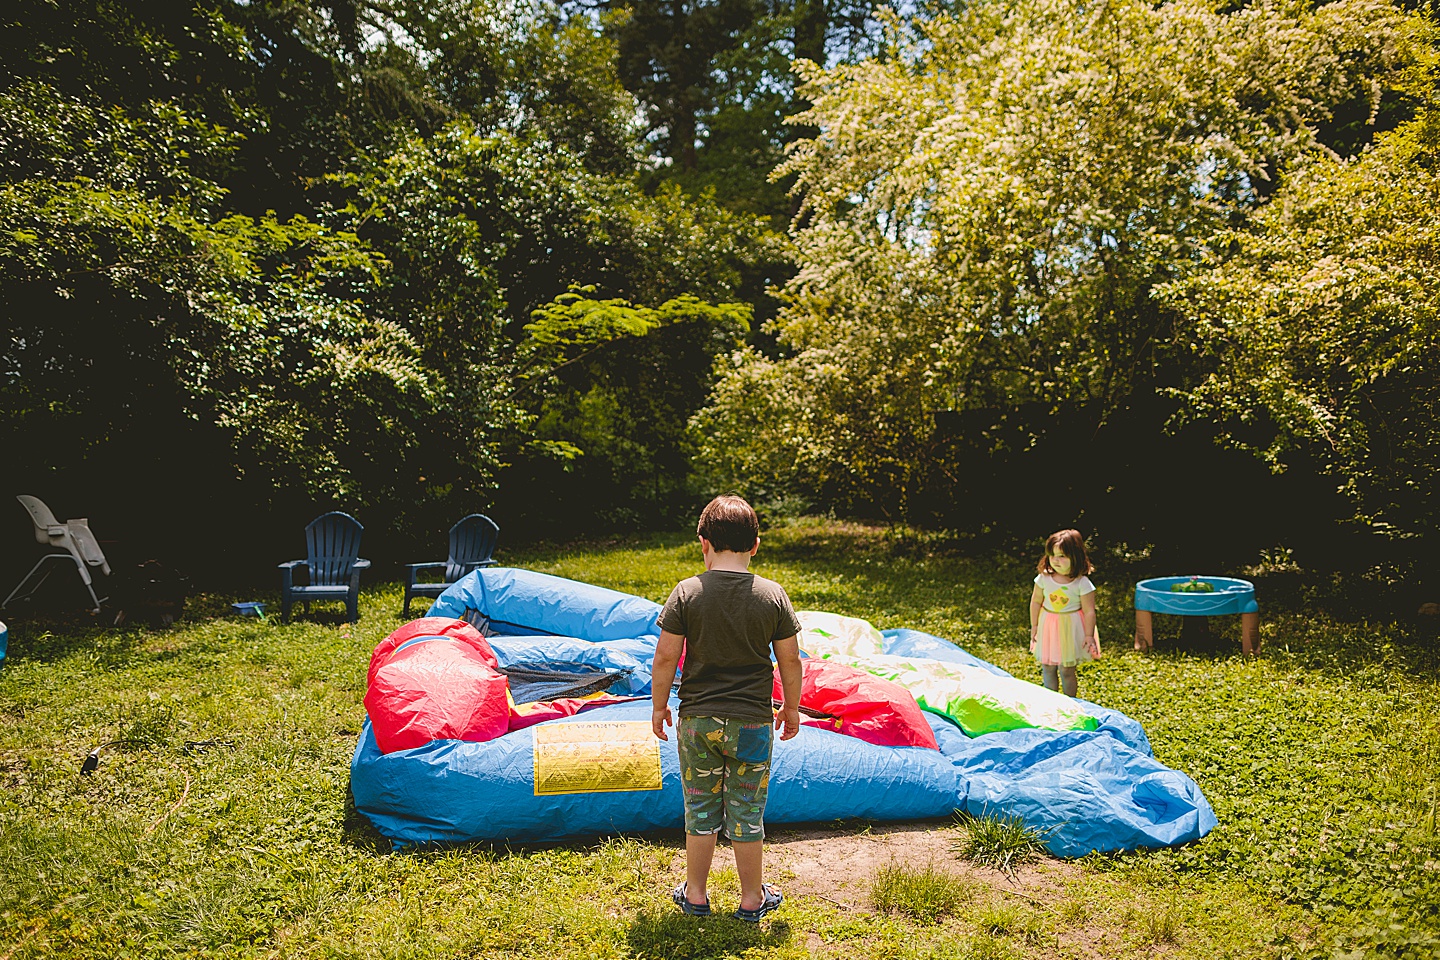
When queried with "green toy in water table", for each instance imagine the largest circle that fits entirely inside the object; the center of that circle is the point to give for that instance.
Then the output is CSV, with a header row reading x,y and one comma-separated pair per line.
x,y
1193,585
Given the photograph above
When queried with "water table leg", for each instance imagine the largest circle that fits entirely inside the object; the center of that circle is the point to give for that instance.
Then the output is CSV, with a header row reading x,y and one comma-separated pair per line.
x,y
1144,630
1250,633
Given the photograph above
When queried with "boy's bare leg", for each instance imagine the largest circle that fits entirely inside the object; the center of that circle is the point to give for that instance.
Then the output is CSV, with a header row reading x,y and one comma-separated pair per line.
x,y
749,864
699,851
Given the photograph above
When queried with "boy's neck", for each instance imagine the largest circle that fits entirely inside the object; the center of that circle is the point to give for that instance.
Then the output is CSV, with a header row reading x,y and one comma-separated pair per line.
x,y
734,561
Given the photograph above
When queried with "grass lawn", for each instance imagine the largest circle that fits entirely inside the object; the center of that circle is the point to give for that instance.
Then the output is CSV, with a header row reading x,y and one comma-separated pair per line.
x,y
223,830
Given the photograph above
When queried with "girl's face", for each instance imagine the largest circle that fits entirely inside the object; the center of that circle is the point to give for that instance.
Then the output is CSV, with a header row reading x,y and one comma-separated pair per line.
x,y
1059,562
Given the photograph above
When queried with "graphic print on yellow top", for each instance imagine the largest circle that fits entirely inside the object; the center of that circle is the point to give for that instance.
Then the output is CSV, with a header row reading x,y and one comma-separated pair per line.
x,y
1063,597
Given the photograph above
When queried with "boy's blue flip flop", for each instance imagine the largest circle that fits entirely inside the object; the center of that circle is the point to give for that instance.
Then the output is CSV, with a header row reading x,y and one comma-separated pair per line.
x,y
693,909
770,900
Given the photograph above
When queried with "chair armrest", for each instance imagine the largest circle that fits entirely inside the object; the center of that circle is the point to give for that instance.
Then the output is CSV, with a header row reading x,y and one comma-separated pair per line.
x,y
287,572
488,563
355,573
412,570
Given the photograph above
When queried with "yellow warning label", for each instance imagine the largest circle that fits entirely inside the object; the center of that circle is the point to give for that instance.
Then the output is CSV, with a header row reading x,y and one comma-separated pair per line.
x,y
596,757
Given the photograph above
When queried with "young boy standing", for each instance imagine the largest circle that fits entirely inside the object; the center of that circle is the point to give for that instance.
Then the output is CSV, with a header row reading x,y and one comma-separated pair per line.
x,y
726,621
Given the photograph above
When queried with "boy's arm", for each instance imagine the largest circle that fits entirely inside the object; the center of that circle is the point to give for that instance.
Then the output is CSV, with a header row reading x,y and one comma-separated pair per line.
x,y
662,676
787,658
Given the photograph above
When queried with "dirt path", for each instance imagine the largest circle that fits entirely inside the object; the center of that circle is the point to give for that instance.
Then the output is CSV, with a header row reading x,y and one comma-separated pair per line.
x,y
837,863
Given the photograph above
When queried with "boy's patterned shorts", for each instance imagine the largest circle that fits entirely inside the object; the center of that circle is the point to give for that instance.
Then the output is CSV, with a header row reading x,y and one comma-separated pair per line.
x,y
725,772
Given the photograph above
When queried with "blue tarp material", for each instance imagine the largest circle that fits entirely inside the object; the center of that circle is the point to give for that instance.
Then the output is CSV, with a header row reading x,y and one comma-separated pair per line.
x,y
451,790
525,602
1084,790
561,652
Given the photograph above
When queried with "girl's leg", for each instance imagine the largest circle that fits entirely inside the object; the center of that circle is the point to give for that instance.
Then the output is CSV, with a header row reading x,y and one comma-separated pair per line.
x,y
1049,676
1067,680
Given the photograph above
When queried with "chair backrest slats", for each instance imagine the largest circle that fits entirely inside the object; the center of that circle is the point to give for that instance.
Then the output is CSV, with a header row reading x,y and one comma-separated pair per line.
x,y
333,544
472,541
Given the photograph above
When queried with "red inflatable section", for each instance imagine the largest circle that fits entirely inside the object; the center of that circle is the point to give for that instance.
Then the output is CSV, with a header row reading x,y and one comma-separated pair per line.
x,y
435,679
863,706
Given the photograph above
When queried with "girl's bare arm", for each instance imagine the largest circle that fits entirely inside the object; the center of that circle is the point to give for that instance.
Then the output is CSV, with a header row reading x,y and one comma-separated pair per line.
x,y
1087,617
1037,597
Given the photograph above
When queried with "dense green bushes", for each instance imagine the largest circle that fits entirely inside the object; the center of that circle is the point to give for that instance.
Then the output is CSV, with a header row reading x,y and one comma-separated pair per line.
x,y
262,258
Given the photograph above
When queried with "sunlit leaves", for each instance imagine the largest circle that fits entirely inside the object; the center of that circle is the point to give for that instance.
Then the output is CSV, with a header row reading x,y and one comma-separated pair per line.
x,y
1325,325
988,206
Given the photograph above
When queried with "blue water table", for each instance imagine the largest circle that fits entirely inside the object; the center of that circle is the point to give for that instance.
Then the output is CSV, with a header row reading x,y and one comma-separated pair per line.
x,y
1228,596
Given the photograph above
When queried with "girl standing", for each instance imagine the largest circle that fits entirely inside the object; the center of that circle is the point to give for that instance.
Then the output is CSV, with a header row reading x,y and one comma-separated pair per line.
x,y
1062,611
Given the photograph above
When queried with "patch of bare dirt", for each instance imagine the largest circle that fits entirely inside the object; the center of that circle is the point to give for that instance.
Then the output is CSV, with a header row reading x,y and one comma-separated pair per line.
x,y
836,864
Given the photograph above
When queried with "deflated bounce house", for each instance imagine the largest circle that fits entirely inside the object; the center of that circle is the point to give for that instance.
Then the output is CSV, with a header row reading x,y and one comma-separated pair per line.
x,y
519,710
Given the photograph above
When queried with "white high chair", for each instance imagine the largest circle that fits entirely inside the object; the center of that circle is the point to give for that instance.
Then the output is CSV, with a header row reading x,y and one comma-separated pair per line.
x,y
69,542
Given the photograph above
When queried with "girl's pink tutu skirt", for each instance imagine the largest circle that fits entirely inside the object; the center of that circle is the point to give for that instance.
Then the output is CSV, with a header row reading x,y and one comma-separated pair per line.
x,y
1061,640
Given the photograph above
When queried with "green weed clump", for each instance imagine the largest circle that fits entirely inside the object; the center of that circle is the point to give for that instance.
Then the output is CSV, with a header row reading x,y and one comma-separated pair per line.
x,y
999,841
1007,920
1161,925
921,893
983,947
1073,912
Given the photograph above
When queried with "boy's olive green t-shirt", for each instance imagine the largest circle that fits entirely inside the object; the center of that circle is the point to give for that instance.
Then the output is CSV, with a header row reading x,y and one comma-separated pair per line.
x,y
729,620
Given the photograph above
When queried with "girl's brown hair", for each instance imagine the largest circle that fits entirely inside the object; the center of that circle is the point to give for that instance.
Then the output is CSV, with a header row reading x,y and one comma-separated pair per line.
x,y
1073,546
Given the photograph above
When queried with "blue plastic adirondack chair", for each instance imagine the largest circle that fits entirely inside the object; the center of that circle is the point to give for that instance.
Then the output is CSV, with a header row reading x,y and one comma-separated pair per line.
x,y
334,564
472,541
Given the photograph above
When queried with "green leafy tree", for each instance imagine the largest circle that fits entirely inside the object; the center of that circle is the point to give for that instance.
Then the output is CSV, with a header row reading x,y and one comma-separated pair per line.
x,y
438,172
616,383
714,81
1323,324
990,202
248,324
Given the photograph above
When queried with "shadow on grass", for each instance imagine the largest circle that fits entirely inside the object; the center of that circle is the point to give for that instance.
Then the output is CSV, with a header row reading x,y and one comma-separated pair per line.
x,y
49,637
669,935
320,616
357,831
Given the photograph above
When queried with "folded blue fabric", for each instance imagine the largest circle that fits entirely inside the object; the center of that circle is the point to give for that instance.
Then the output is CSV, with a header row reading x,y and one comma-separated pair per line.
x,y
1083,791
525,602
560,652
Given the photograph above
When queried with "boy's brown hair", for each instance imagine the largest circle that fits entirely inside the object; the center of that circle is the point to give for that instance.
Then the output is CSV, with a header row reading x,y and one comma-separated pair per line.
x,y
1073,546
729,523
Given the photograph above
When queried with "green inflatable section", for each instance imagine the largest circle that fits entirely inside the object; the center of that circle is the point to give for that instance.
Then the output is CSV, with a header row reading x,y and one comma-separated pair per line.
x,y
976,699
